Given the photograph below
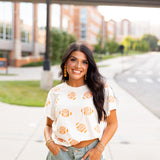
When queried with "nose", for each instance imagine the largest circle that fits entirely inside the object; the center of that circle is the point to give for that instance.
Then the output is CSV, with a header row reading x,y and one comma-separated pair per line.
x,y
78,64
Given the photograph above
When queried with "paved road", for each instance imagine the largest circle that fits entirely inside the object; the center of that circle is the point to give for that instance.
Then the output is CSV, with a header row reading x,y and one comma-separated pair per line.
x,y
143,81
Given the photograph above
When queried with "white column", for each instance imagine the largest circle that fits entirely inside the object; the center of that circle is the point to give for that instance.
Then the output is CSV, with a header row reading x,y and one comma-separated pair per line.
x,y
17,32
35,31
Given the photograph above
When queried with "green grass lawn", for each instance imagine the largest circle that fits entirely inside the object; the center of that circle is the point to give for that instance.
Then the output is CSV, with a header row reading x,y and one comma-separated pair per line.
x,y
26,93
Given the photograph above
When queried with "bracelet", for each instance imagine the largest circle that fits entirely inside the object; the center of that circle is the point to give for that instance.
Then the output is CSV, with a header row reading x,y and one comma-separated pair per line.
x,y
49,141
102,146
98,149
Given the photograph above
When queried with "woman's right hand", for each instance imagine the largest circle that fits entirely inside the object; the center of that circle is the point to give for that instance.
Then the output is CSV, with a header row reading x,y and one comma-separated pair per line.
x,y
55,148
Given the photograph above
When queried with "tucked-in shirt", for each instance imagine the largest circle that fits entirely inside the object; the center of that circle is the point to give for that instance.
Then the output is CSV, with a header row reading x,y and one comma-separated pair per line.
x,y
74,114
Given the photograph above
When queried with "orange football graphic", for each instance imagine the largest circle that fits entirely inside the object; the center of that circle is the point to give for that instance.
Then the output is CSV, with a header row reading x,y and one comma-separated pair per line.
x,y
81,127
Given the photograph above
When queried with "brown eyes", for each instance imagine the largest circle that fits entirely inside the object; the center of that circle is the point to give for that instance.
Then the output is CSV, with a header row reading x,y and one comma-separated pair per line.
x,y
84,62
73,59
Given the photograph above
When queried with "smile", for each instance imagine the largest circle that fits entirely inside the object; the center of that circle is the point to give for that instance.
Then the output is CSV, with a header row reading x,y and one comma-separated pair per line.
x,y
78,72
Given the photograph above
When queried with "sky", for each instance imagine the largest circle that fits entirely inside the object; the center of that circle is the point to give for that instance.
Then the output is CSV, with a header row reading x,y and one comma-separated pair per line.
x,y
110,12
118,13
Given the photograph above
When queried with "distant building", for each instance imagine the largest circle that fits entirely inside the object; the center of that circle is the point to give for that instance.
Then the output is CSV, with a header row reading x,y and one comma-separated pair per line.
x,y
88,24
138,28
111,29
123,29
67,18
135,29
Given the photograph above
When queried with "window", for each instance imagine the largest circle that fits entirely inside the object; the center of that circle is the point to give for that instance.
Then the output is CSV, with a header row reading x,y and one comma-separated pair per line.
x,y
5,31
96,18
83,15
26,17
26,54
25,36
1,31
65,23
83,23
94,28
66,7
56,14
8,31
6,20
83,34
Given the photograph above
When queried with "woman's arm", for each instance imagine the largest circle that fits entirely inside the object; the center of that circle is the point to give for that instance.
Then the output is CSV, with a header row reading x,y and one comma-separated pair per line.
x,y
54,148
48,129
112,124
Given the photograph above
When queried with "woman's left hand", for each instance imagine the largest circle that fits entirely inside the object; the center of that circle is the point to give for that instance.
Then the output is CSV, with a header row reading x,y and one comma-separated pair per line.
x,y
93,154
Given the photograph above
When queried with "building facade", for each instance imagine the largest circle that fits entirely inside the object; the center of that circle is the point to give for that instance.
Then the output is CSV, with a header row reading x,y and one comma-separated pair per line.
x,y
19,42
22,43
88,24
67,18
119,30
111,29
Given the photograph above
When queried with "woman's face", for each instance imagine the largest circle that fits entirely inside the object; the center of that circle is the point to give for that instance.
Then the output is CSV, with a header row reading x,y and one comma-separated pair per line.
x,y
77,65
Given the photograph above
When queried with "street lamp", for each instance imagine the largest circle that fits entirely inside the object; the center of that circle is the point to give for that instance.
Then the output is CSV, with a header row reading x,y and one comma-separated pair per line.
x,y
47,75
46,63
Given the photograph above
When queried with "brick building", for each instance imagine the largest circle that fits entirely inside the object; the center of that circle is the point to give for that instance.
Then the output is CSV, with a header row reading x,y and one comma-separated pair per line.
x,y
88,24
22,43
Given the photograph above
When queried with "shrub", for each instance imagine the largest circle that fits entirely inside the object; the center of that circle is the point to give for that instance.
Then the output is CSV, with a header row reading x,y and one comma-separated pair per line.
x,y
60,40
112,46
151,40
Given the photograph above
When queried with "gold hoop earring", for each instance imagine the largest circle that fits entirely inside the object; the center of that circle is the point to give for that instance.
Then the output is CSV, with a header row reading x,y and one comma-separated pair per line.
x,y
65,70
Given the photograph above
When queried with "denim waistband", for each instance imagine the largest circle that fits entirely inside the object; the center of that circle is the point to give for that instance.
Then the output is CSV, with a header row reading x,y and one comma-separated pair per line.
x,y
92,145
73,153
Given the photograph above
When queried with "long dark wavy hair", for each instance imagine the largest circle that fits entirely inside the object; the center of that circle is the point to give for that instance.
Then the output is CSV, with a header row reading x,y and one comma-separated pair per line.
x,y
94,79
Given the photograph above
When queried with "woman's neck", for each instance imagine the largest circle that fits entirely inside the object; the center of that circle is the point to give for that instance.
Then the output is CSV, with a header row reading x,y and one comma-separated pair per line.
x,y
76,83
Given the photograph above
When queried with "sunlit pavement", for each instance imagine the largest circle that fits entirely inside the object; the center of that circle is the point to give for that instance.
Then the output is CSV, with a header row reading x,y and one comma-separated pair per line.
x,y
21,131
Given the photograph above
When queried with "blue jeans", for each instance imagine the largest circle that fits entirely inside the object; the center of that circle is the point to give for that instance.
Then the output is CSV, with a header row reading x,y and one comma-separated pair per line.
x,y
72,153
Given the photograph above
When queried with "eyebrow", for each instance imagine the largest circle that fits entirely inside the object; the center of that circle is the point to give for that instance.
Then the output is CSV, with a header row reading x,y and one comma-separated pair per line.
x,y
76,58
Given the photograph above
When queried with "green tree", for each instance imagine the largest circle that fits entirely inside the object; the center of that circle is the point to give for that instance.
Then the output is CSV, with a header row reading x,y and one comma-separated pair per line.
x,y
60,40
112,46
71,38
65,43
151,40
140,45
128,43
98,48
56,40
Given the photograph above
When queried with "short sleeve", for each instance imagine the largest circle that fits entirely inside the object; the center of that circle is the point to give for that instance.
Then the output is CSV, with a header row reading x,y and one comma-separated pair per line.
x,y
111,101
49,106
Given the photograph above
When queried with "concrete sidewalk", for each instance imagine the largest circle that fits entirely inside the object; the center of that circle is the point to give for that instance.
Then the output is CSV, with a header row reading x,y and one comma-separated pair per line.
x,y
137,137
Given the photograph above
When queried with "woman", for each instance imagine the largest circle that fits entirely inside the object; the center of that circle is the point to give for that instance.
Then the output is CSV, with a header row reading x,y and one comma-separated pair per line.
x,y
77,108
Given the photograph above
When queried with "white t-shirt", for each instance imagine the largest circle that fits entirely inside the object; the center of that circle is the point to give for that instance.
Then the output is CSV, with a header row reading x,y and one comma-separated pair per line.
x,y
74,114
